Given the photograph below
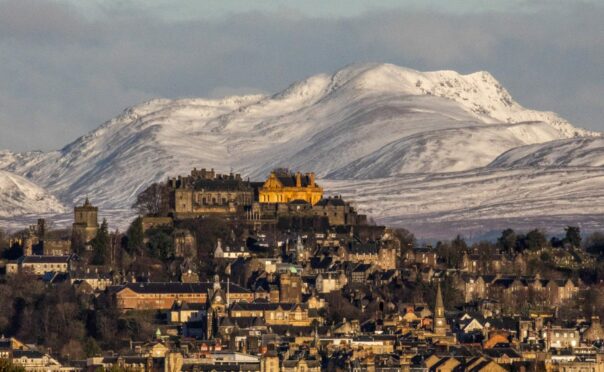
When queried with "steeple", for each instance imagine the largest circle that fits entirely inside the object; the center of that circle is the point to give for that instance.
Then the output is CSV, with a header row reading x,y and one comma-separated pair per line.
x,y
439,322
439,307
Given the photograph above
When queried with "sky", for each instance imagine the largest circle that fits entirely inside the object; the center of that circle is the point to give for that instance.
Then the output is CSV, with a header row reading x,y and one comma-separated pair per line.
x,y
68,66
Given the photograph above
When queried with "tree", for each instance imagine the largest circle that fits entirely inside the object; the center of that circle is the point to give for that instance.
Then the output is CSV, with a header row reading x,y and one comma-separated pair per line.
x,y
78,244
406,238
3,242
100,245
135,237
507,240
573,236
160,244
535,239
153,201
451,254
594,243
459,243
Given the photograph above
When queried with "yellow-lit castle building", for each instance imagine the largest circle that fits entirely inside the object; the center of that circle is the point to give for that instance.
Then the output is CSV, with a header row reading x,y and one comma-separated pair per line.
x,y
282,186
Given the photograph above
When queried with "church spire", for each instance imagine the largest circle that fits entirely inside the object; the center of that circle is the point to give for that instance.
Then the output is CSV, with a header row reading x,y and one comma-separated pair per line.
x,y
439,322
439,305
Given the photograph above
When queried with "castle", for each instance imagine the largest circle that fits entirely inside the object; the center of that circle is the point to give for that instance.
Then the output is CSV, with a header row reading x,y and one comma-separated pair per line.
x,y
283,194
207,192
283,187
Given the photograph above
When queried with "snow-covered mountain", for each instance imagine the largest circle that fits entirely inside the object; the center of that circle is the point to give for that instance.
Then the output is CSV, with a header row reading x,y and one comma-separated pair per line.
x,y
574,152
380,123
19,196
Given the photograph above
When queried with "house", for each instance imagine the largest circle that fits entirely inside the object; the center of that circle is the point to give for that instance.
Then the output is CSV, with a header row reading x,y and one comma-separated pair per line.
x,y
424,256
559,337
229,253
97,281
39,265
301,365
182,312
473,287
330,281
32,360
360,273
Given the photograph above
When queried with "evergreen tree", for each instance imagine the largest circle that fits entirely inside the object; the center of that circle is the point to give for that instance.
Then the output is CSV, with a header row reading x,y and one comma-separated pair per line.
x,y
507,240
459,244
135,235
573,236
160,244
100,245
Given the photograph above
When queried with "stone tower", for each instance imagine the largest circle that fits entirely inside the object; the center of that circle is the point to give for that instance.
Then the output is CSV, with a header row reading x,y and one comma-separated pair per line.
x,y
439,323
86,221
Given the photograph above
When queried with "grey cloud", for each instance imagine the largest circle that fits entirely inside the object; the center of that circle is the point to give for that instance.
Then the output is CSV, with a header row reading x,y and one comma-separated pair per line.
x,y
63,74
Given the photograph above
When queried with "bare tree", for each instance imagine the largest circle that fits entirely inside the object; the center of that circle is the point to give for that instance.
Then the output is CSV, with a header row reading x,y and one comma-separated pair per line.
x,y
153,201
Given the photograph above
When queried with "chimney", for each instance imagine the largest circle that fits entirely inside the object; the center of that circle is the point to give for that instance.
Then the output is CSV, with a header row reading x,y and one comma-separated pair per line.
x,y
298,179
311,179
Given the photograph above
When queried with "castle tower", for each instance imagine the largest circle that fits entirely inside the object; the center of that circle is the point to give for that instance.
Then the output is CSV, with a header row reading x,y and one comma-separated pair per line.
x,y
86,222
439,323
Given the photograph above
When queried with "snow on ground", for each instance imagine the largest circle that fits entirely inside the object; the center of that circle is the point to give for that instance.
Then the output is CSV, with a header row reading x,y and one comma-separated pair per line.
x,y
19,196
487,199
397,129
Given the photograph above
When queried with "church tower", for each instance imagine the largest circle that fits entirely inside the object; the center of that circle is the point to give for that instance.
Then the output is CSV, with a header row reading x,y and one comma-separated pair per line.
x,y
85,222
216,308
439,323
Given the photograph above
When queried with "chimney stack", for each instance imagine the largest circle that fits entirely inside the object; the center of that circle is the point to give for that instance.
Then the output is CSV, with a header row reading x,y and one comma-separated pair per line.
x,y
311,179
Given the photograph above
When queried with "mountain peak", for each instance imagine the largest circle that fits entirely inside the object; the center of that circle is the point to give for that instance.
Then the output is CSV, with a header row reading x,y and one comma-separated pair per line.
x,y
364,121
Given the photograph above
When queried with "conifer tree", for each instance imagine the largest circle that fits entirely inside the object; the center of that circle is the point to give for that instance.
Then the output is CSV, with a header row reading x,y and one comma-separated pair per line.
x,y
573,236
135,235
100,245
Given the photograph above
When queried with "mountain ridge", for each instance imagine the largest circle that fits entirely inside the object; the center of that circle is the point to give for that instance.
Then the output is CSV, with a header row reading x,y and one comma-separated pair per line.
x,y
364,121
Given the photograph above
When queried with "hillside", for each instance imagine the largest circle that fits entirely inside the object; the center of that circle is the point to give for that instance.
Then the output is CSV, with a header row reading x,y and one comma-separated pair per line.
x,y
574,152
365,121
19,196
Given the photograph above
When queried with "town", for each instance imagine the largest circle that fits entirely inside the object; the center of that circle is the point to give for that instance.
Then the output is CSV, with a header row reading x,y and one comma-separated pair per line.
x,y
220,273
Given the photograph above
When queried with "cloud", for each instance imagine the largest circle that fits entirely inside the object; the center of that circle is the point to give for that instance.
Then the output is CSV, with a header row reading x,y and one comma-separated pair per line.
x,y
62,73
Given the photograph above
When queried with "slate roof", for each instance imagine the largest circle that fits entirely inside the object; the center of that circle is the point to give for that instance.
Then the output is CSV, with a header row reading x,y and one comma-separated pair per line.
x,y
262,306
500,352
222,185
363,248
45,259
289,180
169,287
336,202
